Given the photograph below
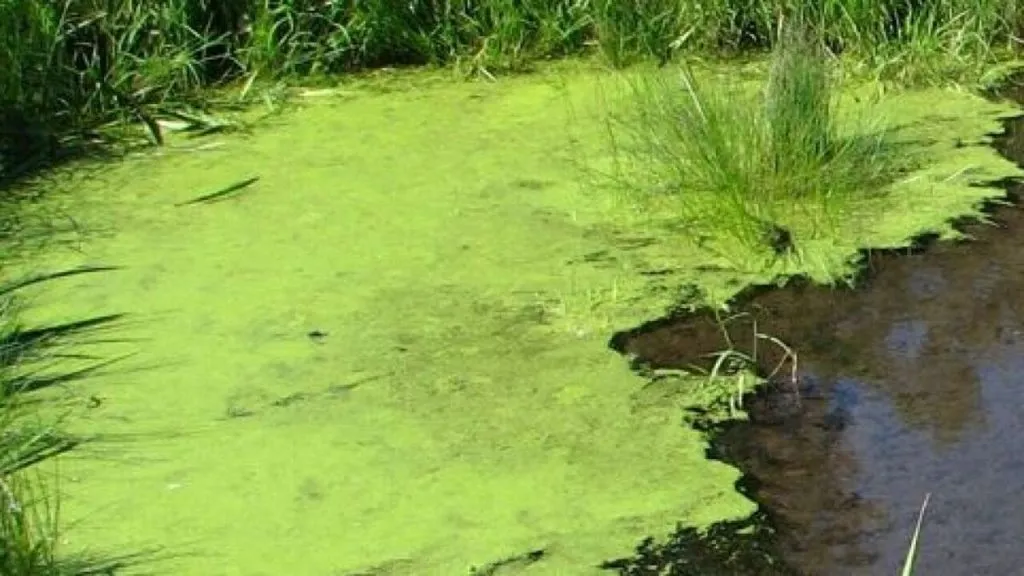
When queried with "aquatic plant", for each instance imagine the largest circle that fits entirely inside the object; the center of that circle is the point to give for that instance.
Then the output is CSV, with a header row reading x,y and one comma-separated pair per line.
x,y
28,511
732,360
737,168
740,368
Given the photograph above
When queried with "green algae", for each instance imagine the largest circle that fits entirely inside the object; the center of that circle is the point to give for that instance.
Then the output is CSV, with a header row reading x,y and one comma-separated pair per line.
x,y
459,405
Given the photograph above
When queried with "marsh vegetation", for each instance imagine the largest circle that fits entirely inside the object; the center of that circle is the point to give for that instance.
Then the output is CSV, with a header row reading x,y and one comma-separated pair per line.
x,y
744,171
68,69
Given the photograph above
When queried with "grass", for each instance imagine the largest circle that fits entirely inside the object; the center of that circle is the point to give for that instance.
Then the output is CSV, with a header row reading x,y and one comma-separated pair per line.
x,y
743,365
755,170
28,512
68,68
733,361
908,564
739,368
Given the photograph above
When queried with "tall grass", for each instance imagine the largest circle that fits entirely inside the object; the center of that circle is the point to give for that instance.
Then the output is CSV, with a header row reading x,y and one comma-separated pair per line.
x,y
69,66
29,512
761,169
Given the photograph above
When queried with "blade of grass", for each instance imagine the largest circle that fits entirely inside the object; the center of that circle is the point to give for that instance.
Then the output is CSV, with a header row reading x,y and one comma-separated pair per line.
x,y
9,287
908,565
220,194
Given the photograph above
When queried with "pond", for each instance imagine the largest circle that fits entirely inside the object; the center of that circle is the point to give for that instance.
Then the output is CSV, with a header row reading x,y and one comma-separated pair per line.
x,y
387,355
909,385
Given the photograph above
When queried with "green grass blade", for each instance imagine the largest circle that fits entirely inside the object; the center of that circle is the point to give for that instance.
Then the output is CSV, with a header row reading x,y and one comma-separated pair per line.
x,y
220,194
908,565
7,288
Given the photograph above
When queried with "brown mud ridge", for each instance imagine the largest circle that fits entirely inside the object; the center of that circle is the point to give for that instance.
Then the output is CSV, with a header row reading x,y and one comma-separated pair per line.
x,y
912,383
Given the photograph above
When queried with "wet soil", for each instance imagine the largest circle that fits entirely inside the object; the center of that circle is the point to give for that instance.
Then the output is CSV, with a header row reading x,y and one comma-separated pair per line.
x,y
912,383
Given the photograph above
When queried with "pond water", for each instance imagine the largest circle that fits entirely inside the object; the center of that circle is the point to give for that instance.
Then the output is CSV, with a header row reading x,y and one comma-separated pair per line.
x,y
909,385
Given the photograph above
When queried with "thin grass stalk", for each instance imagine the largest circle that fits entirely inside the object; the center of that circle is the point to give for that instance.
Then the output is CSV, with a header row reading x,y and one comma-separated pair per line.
x,y
908,564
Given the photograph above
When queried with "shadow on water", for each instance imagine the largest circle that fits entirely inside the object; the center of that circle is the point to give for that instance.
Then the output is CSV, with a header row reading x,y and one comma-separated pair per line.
x,y
913,383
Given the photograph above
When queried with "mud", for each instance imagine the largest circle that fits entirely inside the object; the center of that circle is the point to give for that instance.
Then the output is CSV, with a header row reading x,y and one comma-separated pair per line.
x,y
910,384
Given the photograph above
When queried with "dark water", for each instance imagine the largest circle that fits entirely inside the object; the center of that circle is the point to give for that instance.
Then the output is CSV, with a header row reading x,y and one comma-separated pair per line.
x,y
911,384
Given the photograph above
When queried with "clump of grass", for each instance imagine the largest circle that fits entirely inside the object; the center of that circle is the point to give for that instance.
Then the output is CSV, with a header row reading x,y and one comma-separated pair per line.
x,y
26,528
734,166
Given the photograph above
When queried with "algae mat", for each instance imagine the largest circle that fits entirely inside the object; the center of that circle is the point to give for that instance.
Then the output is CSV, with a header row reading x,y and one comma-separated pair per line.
x,y
381,358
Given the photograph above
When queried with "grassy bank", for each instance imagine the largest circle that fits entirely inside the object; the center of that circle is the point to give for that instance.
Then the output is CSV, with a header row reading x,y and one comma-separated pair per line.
x,y
69,67
748,172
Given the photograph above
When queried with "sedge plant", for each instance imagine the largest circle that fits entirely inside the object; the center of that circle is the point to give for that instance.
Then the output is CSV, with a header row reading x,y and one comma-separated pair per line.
x,y
743,170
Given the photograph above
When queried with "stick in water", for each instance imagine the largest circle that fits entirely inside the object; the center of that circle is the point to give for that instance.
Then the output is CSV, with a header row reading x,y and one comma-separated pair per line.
x,y
222,192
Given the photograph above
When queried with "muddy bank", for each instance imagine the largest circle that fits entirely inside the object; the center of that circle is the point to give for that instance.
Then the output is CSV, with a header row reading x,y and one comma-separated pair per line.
x,y
910,384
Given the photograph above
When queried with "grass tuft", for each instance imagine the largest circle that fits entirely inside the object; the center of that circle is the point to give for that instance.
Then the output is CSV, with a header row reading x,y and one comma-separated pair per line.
x,y
734,167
